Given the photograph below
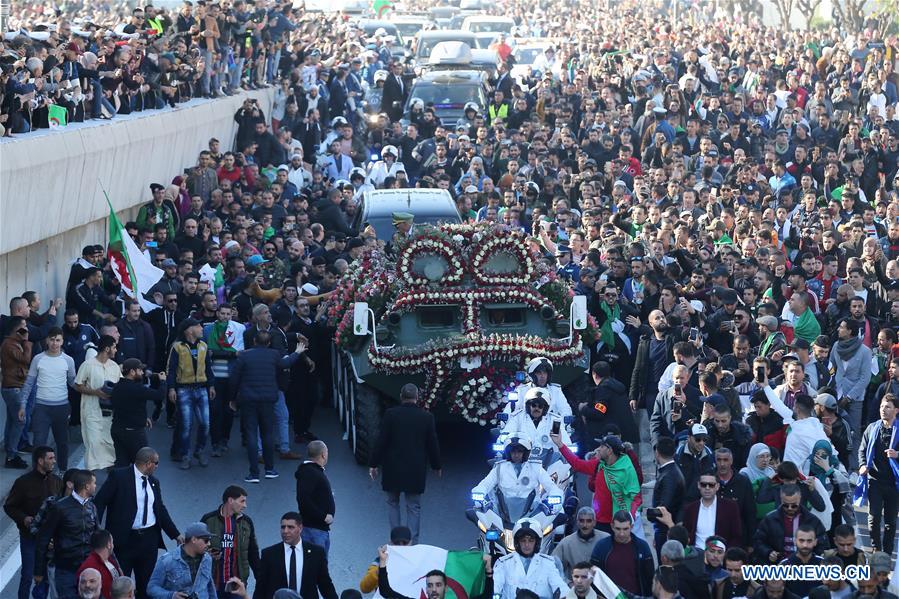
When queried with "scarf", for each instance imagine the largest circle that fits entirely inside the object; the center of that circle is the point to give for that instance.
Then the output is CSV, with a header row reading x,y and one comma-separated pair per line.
x,y
806,326
814,469
621,480
606,334
751,470
860,497
218,337
846,348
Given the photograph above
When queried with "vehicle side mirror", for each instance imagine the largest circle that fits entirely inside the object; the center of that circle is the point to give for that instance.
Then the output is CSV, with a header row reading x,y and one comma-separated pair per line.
x,y
360,318
579,312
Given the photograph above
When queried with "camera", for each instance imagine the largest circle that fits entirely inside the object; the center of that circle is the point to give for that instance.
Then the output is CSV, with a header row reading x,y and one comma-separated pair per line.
x,y
653,514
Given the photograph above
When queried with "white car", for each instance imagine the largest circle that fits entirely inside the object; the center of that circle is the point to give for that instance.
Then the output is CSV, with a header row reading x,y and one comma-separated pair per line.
x,y
488,23
523,57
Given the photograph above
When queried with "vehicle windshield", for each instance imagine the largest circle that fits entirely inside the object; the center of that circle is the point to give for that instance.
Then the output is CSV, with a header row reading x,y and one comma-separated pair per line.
x,y
516,508
485,26
408,30
445,95
425,46
527,55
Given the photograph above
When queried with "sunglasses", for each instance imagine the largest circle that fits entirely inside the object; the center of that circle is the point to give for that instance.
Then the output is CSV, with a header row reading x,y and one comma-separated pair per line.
x,y
790,506
708,485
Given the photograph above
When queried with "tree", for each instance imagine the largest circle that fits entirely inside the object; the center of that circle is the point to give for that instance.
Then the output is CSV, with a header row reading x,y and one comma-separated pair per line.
x,y
808,8
851,13
785,8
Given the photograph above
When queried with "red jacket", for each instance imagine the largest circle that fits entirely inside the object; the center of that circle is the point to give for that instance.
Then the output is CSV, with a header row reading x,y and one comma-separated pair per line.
x,y
94,561
602,497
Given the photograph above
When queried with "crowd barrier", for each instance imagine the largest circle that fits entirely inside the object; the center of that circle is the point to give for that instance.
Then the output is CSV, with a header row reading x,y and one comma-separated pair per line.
x,y
51,199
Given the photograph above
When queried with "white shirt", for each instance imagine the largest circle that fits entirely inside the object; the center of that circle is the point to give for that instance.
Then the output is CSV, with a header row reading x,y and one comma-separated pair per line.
x,y
299,552
139,488
705,522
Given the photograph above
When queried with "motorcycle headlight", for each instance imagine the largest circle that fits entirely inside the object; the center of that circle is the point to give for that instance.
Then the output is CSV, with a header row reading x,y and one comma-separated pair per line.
x,y
547,530
573,447
498,447
554,500
477,496
492,535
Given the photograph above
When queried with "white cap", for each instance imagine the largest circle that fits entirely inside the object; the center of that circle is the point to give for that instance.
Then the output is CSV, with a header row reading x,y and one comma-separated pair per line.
x,y
309,289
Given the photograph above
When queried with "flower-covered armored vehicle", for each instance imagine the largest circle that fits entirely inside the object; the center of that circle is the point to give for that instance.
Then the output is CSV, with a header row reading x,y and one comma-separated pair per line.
x,y
458,310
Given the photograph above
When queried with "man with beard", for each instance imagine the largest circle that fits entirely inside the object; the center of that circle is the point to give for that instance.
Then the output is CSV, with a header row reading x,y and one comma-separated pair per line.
x,y
851,360
578,546
76,339
805,540
654,353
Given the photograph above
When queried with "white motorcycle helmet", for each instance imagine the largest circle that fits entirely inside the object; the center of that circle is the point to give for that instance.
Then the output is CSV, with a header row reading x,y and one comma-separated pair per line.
x,y
417,104
389,150
537,363
527,526
536,394
357,172
380,75
517,440
470,106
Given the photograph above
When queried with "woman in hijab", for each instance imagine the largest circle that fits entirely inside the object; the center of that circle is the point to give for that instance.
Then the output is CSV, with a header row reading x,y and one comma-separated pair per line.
x,y
823,465
758,470
180,195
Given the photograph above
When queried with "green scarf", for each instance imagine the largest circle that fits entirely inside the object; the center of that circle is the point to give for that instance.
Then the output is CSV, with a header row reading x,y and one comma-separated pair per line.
x,y
806,326
817,471
621,480
218,338
606,334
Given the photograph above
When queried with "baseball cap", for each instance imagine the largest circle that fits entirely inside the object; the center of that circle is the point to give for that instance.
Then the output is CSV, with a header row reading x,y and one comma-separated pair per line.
x,y
799,343
197,530
827,400
769,322
168,262
471,189
613,442
698,430
256,260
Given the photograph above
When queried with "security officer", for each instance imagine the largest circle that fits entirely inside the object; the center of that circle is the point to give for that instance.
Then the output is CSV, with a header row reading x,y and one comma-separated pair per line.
x,y
568,270
402,222
540,371
514,476
535,420
498,109
526,568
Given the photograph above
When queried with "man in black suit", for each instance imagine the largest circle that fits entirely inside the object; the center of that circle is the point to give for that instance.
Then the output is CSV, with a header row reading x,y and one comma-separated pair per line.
x,y
669,489
394,96
293,564
136,516
408,442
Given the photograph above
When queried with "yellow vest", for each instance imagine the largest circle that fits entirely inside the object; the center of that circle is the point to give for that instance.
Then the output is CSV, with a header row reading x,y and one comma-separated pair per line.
x,y
187,375
502,113
157,25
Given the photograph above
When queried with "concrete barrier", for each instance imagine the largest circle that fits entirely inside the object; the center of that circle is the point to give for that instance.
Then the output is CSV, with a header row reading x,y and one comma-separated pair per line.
x,y
51,203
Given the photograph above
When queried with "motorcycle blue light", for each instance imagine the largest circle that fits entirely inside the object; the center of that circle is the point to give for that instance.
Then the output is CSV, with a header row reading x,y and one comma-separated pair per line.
x,y
498,447
554,500
492,535
574,447
477,496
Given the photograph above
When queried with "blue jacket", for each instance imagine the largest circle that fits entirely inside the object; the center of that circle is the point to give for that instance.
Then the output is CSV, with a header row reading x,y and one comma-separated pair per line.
x,y
255,375
172,574
644,564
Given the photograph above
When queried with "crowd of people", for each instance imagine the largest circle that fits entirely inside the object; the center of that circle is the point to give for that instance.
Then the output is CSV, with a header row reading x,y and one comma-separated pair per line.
x,y
724,195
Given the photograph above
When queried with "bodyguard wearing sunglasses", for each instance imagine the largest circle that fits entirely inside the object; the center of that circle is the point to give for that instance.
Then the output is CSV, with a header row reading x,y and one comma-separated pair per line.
x,y
771,543
131,500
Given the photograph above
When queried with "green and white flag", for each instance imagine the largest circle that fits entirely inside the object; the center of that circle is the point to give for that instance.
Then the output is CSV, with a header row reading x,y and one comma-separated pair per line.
x,y
605,587
407,567
380,7
58,116
131,267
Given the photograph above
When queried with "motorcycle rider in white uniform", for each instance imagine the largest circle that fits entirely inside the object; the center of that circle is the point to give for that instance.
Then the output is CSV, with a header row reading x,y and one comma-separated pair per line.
x,y
540,371
527,569
515,476
535,420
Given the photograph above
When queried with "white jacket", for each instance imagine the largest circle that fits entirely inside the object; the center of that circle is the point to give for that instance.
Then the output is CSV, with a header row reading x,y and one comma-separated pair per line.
x,y
380,171
519,485
801,438
558,403
520,421
542,577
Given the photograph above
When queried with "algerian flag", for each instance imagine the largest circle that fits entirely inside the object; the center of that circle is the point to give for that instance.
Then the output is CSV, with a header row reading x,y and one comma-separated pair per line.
x,y
605,587
407,567
379,7
57,116
131,267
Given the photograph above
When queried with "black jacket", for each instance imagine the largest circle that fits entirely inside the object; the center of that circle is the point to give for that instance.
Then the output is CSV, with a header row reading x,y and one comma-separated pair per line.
x,y
331,217
28,494
393,98
315,500
739,488
137,341
129,404
272,575
738,440
641,375
405,447
609,406
117,499
769,536
660,422
669,491
69,526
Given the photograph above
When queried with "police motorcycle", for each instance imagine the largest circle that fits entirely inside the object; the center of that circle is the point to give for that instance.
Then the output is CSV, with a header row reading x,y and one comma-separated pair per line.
x,y
536,421
516,488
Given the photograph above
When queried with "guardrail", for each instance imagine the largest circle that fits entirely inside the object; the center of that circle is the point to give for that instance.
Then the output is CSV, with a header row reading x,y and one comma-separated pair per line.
x,y
51,204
